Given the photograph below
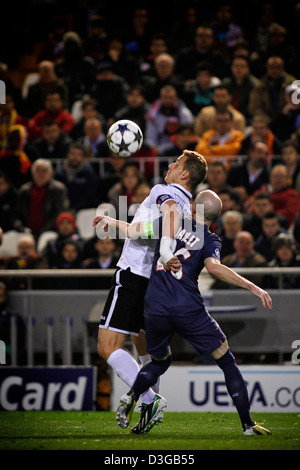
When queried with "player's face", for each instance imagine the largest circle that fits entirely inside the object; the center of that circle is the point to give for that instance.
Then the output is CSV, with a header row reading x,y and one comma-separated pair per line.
x,y
175,170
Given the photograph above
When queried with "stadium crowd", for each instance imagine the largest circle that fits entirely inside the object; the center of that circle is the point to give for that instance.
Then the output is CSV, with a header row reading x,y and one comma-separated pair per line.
x,y
207,82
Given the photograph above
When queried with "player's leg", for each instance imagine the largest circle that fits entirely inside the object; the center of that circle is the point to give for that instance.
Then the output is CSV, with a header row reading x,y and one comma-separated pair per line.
x,y
144,357
237,389
158,336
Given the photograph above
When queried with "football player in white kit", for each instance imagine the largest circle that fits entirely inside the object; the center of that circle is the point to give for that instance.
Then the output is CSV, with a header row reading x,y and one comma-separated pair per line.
x,y
123,311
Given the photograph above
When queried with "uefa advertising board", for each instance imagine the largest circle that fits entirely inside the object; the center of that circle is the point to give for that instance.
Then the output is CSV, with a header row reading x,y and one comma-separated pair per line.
x,y
47,388
202,388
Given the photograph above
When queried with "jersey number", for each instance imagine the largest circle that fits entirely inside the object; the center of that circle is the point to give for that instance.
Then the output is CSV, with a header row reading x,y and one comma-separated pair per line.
x,y
181,252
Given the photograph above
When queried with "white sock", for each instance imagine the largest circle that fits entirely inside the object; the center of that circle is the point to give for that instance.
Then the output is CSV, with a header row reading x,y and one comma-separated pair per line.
x,y
124,365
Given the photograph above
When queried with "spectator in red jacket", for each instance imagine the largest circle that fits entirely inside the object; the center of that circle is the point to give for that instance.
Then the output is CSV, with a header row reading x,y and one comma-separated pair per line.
x,y
53,111
285,200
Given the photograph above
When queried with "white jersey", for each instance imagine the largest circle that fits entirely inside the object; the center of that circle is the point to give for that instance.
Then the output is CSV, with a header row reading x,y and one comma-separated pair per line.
x,y
138,254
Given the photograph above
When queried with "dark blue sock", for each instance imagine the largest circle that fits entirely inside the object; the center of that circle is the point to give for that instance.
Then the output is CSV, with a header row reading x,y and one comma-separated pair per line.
x,y
148,376
236,387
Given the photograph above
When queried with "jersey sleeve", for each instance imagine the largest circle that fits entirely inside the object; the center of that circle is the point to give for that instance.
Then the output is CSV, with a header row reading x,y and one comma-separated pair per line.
x,y
212,247
160,194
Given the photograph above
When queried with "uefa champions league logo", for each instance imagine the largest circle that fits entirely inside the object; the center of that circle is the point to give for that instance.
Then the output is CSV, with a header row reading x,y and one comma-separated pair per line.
x,y
2,92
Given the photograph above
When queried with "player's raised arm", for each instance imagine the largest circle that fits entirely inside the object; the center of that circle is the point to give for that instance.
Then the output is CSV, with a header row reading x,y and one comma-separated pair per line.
x,y
170,224
224,273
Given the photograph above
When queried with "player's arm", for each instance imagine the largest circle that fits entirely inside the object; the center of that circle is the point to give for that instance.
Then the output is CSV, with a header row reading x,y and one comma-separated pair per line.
x,y
133,230
170,224
224,273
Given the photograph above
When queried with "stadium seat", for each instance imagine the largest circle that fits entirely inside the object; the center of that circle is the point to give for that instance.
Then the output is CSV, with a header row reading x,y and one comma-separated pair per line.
x,y
9,243
44,238
84,220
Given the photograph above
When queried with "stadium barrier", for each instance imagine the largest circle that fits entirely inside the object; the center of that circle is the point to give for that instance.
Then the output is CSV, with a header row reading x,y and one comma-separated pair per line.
x,y
66,321
146,165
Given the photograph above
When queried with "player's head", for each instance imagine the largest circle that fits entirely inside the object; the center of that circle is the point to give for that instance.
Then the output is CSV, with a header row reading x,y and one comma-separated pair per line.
x,y
189,170
207,206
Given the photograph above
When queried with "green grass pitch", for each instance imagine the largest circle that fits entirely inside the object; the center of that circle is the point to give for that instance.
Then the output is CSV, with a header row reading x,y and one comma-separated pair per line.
x,y
72,430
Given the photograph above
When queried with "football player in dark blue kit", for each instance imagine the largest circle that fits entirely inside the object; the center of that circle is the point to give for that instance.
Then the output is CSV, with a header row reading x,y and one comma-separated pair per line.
x,y
173,304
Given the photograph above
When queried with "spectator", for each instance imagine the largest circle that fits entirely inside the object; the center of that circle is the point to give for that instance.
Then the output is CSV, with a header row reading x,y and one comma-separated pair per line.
x,y
240,83
231,224
67,230
222,99
71,258
130,180
27,256
88,110
6,314
113,169
267,96
158,45
95,45
75,68
136,107
184,28
9,117
41,200
48,81
202,50
278,45
8,202
223,141
244,256
286,256
261,205
139,32
53,111
286,200
287,120
14,162
296,135
230,202
216,176
270,229
165,116
54,142
296,229
52,46
226,31
124,65
290,158
164,67
79,178
183,139
260,131
106,259
109,91
94,140
198,93
249,176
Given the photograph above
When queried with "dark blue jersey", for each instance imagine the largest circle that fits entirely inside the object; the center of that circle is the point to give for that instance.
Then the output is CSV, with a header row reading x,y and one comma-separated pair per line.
x,y
178,294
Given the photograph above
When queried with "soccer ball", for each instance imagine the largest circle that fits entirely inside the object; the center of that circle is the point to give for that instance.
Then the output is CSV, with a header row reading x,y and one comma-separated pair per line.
x,y
124,138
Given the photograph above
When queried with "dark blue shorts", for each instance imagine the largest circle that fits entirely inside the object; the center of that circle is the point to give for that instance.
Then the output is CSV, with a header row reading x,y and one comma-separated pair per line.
x,y
201,331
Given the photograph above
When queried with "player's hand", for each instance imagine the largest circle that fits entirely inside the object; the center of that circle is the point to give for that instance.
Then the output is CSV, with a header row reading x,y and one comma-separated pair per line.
x,y
173,265
104,219
263,296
